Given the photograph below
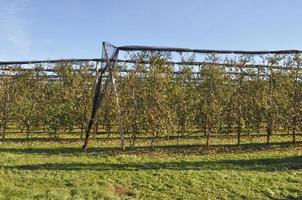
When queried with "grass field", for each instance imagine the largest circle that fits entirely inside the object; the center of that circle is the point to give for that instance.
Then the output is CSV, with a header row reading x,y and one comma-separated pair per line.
x,y
59,170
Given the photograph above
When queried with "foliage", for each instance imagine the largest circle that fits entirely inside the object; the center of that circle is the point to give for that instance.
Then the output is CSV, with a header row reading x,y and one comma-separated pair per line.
x,y
157,100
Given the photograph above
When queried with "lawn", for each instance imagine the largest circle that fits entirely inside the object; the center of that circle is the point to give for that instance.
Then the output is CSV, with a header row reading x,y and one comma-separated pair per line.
x,y
59,170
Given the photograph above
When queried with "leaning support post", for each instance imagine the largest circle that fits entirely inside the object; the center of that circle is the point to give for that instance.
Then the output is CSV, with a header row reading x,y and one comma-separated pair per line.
x,y
97,99
96,117
99,93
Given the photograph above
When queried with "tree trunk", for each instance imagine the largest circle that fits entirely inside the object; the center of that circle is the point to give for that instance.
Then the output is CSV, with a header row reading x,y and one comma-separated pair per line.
x,y
27,133
27,130
239,129
122,139
205,126
108,130
294,136
133,138
82,130
269,133
258,129
55,133
208,136
3,133
205,129
228,128
177,137
294,129
152,140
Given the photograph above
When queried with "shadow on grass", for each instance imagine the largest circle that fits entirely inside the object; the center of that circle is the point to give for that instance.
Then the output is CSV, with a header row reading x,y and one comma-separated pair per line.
x,y
290,197
266,164
168,149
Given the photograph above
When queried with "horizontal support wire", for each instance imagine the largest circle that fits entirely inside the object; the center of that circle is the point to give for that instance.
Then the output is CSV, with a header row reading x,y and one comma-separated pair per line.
x,y
205,51
13,65
16,66
71,60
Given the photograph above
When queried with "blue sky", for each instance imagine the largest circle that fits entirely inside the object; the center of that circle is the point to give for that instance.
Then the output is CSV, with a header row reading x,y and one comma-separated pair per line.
x,y
44,29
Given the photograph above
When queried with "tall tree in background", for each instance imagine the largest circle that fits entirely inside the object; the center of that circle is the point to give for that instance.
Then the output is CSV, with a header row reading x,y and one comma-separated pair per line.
x,y
210,97
7,94
29,99
183,100
158,86
132,92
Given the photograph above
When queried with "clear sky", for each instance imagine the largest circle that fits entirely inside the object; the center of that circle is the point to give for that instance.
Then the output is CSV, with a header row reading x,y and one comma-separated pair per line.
x,y
44,29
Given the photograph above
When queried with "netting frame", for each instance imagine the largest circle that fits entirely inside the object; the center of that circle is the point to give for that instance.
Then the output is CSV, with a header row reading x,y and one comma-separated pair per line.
x,y
110,62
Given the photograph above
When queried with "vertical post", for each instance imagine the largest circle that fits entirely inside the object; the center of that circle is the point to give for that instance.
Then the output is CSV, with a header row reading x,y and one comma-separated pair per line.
x,y
239,119
296,101
258,114
270,101
96,117
121,130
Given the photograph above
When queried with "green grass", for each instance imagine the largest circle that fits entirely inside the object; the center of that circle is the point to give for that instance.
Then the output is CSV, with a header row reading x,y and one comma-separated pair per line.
x,y
54,170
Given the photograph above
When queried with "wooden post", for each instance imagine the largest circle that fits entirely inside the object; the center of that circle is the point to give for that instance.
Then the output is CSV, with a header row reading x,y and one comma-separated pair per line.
x,y
270,119
96,117
296,103
118,110
239,119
